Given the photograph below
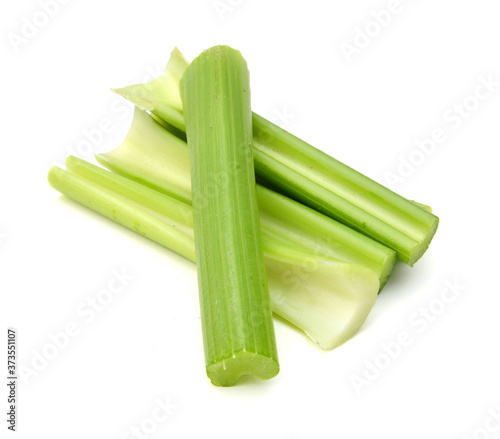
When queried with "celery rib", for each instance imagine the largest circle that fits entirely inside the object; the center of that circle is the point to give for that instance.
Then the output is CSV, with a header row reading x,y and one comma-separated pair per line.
x,y
326,298
281,218
312,177
329,186
237,326
153,215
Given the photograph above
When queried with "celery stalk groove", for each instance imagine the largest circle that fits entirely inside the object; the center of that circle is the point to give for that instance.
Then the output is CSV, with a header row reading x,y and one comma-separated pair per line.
x,y
280,217
238,331
326,298
312,177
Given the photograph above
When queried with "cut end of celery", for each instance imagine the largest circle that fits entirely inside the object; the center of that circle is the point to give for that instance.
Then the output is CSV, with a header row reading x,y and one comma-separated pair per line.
x,y
353,292
387,269
327,299
419,250
228,372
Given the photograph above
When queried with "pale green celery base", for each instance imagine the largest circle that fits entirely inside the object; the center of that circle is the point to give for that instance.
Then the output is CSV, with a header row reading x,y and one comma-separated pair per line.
x,y
228,372
327,299
330,298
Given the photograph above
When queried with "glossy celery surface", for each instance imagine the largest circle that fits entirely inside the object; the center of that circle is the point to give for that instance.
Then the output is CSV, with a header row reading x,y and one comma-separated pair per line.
x,y
236,317
280,217
312,177
326,298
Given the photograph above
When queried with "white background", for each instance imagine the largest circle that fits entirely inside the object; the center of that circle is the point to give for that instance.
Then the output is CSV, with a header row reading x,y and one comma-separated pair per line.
x,y
146,344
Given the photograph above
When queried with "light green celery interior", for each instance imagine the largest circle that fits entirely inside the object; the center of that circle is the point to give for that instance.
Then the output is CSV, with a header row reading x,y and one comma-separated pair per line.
x,y
324,297
167,169
330,298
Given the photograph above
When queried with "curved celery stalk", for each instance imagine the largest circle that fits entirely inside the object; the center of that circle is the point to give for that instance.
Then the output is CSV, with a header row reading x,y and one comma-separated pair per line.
x,y
281,218
327,299
238,331
312,177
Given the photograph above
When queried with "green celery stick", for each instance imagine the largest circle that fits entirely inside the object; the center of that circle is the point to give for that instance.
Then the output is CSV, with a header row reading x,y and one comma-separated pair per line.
x,y
238,331
326,298
280,217
312,177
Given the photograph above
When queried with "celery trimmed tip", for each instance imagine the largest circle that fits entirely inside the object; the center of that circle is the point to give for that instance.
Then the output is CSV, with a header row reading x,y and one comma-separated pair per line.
x,y
237,326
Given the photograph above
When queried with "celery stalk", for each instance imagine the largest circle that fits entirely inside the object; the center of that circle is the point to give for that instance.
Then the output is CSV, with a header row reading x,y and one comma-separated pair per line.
x,y
327,185
162,219
236,317
281,218
327,299
312,177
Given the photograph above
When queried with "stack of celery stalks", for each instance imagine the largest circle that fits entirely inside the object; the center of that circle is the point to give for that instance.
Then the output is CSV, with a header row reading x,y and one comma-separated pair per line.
x,y
313,241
